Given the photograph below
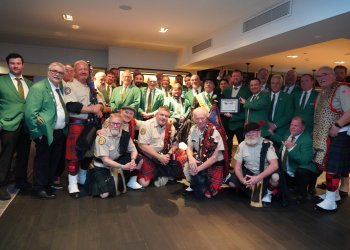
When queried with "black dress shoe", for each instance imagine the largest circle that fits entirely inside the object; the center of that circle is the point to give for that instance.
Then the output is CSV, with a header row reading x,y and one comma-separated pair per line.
x,y
266,204
75,195
317,208
42,194
343,194
4,195
57,187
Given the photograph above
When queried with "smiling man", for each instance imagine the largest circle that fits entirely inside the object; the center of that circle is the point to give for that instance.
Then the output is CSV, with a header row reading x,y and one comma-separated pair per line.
x,y
46,117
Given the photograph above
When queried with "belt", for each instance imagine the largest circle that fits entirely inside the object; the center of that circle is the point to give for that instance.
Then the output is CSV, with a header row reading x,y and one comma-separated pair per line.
x,y
77,121
98,162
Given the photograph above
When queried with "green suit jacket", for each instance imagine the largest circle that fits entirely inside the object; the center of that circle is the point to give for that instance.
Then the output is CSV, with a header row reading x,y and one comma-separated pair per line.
x,y
132,98
308,112
258,110
41,102
158,101
185,103
283,115
11,104
301,155
236,120
189,95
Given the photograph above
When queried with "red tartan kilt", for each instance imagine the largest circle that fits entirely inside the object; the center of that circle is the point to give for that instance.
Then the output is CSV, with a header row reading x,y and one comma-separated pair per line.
x,y
74,132
147,169
216,175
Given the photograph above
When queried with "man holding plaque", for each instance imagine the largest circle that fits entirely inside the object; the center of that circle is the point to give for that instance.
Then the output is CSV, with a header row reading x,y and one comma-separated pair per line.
x,y
234,122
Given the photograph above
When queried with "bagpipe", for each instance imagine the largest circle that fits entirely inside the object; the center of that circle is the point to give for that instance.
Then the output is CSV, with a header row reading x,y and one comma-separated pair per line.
x,y
88,135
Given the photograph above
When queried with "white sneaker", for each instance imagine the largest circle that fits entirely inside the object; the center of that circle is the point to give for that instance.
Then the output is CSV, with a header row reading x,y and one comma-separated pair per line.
x,y
133,184
189,189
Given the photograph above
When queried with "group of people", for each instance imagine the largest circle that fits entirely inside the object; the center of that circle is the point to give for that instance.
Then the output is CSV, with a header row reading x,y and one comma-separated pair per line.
x,y
112,136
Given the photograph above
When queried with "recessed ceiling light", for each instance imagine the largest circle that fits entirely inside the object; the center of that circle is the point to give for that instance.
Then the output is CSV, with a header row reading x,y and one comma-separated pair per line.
x,y
125,7
163,30
339,62
75,27
292,56
67,17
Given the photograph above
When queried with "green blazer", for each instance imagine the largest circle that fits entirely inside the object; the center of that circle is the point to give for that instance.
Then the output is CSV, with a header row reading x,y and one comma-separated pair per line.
x,y
301,155
308,112
237,120
296,89
158,101
132,98
41,102
189,95
185,103
11,104
283,115
258,110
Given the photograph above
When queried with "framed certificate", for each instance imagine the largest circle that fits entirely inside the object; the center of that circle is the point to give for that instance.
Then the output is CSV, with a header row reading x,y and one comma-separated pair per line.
x,y
229,105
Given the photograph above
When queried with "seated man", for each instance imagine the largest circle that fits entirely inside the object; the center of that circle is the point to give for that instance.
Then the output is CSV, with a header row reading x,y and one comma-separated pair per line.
x,y
205,155
296,155
156,142
115,152
260,166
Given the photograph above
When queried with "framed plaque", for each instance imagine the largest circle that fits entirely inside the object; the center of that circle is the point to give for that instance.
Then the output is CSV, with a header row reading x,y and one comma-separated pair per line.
x,y
229,105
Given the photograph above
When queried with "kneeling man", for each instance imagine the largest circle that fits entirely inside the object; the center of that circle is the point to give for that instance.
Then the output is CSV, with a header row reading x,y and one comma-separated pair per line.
x,y
114,153
260,166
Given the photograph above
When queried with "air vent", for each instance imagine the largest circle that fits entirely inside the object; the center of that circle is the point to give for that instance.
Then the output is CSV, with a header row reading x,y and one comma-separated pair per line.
x,y
273,14
201,46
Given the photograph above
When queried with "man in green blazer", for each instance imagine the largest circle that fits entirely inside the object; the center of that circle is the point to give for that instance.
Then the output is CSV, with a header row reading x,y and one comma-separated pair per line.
x,y
281,111
151,99
234,123
13,135
46,117
296,158
196,88
126,95
257,107
305,109
291,79
179,107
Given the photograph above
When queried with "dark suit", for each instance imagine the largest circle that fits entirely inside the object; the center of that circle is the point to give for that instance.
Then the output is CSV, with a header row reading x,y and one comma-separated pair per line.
x,y
235,124
41,102
307,113
13,135
158,101
282,116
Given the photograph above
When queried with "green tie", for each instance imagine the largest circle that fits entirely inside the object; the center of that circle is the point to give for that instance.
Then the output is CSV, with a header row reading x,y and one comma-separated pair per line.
x,y
124,92
20,88
63,105
149,102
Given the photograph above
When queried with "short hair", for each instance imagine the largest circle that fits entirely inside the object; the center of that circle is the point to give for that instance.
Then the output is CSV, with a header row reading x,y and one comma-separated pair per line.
x,y
188,75
300,119
309,75
12,56
255,79
56,64
166,77
80,62
201,110
237,71
164,108
115,115
138,73
126,71
341,67
110,72
277,76
100,73
177,84
225,80
263,69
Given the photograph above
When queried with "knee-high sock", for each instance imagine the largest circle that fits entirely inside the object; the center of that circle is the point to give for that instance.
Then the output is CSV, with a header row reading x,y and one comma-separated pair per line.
x,y
332,181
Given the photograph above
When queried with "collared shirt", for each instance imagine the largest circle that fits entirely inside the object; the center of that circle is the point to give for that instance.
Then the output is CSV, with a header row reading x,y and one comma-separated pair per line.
x,y
341,102
194,91
76,91
290,171
109,146
250,155
178,106
308,93
290,89
152,134
274,104
235,90
195,140
61,121
15,83
147,94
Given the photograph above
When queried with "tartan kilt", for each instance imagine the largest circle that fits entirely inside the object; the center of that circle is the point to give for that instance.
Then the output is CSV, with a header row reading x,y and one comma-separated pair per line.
x,y
338,161
216,175
99,181
74,132
148,169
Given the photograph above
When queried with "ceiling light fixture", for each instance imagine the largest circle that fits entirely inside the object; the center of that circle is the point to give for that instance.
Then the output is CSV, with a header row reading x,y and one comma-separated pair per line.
x,y
163,30
125,7
339,62
292,56
67,17
75,27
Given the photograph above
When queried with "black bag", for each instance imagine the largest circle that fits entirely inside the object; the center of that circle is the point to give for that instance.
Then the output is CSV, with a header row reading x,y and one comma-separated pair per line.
x,y
99,181
200,183
85,140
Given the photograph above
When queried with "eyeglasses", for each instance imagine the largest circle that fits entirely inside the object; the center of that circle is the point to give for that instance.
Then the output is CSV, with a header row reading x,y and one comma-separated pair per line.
x,y
115,124
55,72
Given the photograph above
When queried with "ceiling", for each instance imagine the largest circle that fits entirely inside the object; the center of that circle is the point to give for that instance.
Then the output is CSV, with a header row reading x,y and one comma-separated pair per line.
x,y
104,23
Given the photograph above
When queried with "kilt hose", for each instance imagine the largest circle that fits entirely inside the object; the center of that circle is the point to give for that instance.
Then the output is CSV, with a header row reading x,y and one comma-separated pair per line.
x,y
74,132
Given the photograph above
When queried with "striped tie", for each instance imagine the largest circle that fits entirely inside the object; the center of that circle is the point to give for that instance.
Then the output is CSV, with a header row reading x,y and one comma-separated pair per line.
x,y
20,88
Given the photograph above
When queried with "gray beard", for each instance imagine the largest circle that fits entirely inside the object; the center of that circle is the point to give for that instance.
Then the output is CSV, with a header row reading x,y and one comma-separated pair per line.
x,y
115,132
251,141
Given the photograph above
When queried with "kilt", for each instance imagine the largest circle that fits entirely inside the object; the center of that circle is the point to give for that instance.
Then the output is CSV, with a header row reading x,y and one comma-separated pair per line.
x,y
216,175
99,181
74,132
338,161
148,169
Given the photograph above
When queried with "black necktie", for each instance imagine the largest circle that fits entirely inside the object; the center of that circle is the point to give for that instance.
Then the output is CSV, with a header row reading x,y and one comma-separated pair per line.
x,y
235,88
63,105
149,102
287,89
303,100
272,106
293,138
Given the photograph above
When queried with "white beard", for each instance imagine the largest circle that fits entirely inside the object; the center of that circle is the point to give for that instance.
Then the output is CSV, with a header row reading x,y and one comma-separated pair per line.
x,y
251,141
115,132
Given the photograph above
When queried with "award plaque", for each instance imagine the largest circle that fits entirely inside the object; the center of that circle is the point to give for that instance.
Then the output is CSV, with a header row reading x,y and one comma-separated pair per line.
x,y
229,105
